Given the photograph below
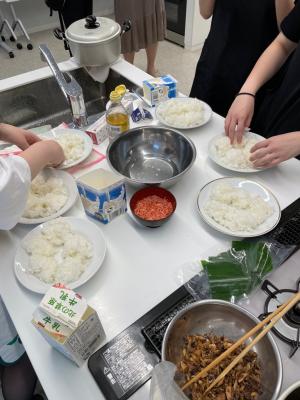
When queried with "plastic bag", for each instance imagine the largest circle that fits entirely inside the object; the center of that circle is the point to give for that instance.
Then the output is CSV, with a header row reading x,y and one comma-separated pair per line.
x,y
233,274
163,386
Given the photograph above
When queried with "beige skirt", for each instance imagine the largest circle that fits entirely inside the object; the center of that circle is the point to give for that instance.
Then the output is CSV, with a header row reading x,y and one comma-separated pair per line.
x,y
148,19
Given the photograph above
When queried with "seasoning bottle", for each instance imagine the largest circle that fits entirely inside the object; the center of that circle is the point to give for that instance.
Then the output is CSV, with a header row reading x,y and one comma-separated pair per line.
x,y
121,89
117,118
127,98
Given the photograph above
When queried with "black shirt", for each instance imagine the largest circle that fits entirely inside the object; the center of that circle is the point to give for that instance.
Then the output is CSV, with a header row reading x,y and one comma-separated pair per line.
x,y
240,31
290,26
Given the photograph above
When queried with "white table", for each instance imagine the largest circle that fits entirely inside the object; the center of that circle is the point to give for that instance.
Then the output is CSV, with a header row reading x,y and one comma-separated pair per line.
x,y
141,267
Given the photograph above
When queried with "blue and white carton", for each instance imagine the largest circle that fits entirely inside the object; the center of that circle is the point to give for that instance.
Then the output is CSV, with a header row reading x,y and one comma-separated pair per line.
x,y
103,194
160,89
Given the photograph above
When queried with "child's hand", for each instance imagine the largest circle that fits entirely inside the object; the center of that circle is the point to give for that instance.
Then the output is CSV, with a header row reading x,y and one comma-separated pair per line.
x,y
18,136
55,153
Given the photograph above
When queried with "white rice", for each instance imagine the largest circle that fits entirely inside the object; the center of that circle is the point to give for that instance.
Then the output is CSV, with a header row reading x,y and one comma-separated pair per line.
x,y
236,155
182,113
58,254
73,146
46,197
237,209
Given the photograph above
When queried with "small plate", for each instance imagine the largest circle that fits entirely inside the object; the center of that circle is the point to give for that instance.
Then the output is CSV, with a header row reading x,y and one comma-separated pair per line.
x,y
72,196
88,144
207,113
87,229
214,157
253,188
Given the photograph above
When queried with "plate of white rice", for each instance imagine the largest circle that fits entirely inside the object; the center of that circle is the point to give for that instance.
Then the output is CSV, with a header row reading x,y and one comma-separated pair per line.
x,y
77,145
238,207
183,113
234,157
66,250
52,193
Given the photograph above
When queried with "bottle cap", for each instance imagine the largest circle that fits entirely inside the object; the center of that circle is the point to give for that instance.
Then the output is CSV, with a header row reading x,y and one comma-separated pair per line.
x,y
121,89
115,96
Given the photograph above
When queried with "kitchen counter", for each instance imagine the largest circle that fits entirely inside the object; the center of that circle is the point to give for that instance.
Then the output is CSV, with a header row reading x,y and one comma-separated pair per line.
x,y
141,267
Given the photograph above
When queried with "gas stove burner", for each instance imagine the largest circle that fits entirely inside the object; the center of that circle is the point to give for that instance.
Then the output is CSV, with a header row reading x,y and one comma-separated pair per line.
x,y
288,328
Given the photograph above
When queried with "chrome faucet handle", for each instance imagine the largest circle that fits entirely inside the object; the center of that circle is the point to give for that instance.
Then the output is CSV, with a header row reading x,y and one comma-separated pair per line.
x,y
70,88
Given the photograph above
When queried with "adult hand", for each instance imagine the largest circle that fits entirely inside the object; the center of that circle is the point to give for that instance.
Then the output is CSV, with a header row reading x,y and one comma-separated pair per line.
x,y
239,117
276,149
18,136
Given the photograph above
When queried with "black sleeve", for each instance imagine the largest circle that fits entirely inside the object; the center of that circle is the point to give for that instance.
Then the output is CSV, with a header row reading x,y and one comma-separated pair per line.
x,y
290,26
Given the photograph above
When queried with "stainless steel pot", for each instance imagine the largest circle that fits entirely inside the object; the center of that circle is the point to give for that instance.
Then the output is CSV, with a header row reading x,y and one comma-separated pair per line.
x,y
230,320
96,41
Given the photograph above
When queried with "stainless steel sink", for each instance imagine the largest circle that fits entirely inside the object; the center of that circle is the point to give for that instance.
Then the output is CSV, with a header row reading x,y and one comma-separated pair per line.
x,y
42,102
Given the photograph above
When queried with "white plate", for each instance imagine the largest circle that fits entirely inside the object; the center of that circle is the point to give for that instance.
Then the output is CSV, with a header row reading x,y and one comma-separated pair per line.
x,y
214,157
72,196
88,229
88,143
207,113
54,134
250,186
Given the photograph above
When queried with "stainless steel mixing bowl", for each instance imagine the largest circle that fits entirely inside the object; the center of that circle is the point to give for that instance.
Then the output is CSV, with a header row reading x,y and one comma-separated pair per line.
x,y
223,318
151,155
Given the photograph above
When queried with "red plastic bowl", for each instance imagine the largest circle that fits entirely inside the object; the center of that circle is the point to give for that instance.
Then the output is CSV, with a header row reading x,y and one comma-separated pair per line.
x,y
150,191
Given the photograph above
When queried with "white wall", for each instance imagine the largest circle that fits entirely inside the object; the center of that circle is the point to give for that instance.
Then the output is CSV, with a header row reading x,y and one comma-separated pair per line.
x,y
197,28
35,14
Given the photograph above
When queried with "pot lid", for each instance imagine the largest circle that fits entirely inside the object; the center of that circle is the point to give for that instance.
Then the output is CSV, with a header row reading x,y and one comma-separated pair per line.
x,y
93,30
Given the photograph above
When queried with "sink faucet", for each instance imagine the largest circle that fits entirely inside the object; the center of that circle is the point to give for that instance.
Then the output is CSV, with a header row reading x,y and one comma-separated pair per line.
x,y
70,88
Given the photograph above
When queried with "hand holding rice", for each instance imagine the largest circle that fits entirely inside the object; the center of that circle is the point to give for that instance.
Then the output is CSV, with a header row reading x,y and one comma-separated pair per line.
x,y
234,155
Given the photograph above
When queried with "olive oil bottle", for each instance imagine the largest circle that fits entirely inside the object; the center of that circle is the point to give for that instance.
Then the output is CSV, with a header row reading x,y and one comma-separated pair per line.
x,y
117,118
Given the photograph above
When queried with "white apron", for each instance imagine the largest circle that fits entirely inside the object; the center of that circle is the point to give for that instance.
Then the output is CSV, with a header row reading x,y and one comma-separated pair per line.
x,y
15,180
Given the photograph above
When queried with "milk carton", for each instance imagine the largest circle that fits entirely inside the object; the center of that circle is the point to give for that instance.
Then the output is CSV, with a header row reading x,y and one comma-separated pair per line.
x,y
157,90
103,194
68,324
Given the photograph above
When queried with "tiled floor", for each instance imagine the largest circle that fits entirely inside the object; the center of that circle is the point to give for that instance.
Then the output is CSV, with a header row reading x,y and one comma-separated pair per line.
x,y
171,59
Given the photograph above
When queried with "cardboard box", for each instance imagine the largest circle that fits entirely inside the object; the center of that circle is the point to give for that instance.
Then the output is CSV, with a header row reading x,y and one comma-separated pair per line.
x,y
103,194
98,130
160,89
69,324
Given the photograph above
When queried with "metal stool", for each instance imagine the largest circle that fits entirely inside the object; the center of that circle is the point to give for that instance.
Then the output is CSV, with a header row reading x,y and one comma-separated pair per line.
x,y
5,25
17,22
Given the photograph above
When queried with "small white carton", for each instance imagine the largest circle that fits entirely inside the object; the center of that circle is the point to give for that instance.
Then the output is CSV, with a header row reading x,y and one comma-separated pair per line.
x,y
103,194
98,130
68,323
159,89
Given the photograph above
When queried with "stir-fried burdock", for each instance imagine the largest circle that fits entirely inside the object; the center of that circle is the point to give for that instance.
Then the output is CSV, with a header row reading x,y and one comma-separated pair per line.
x,y
243,382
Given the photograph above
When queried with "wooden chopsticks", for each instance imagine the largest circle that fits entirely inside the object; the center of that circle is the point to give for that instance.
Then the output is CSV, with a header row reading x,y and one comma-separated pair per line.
x,y
275,316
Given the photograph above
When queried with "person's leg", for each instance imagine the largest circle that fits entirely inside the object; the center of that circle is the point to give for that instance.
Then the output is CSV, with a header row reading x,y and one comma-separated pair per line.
x,y
151,56
129,57
19,380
